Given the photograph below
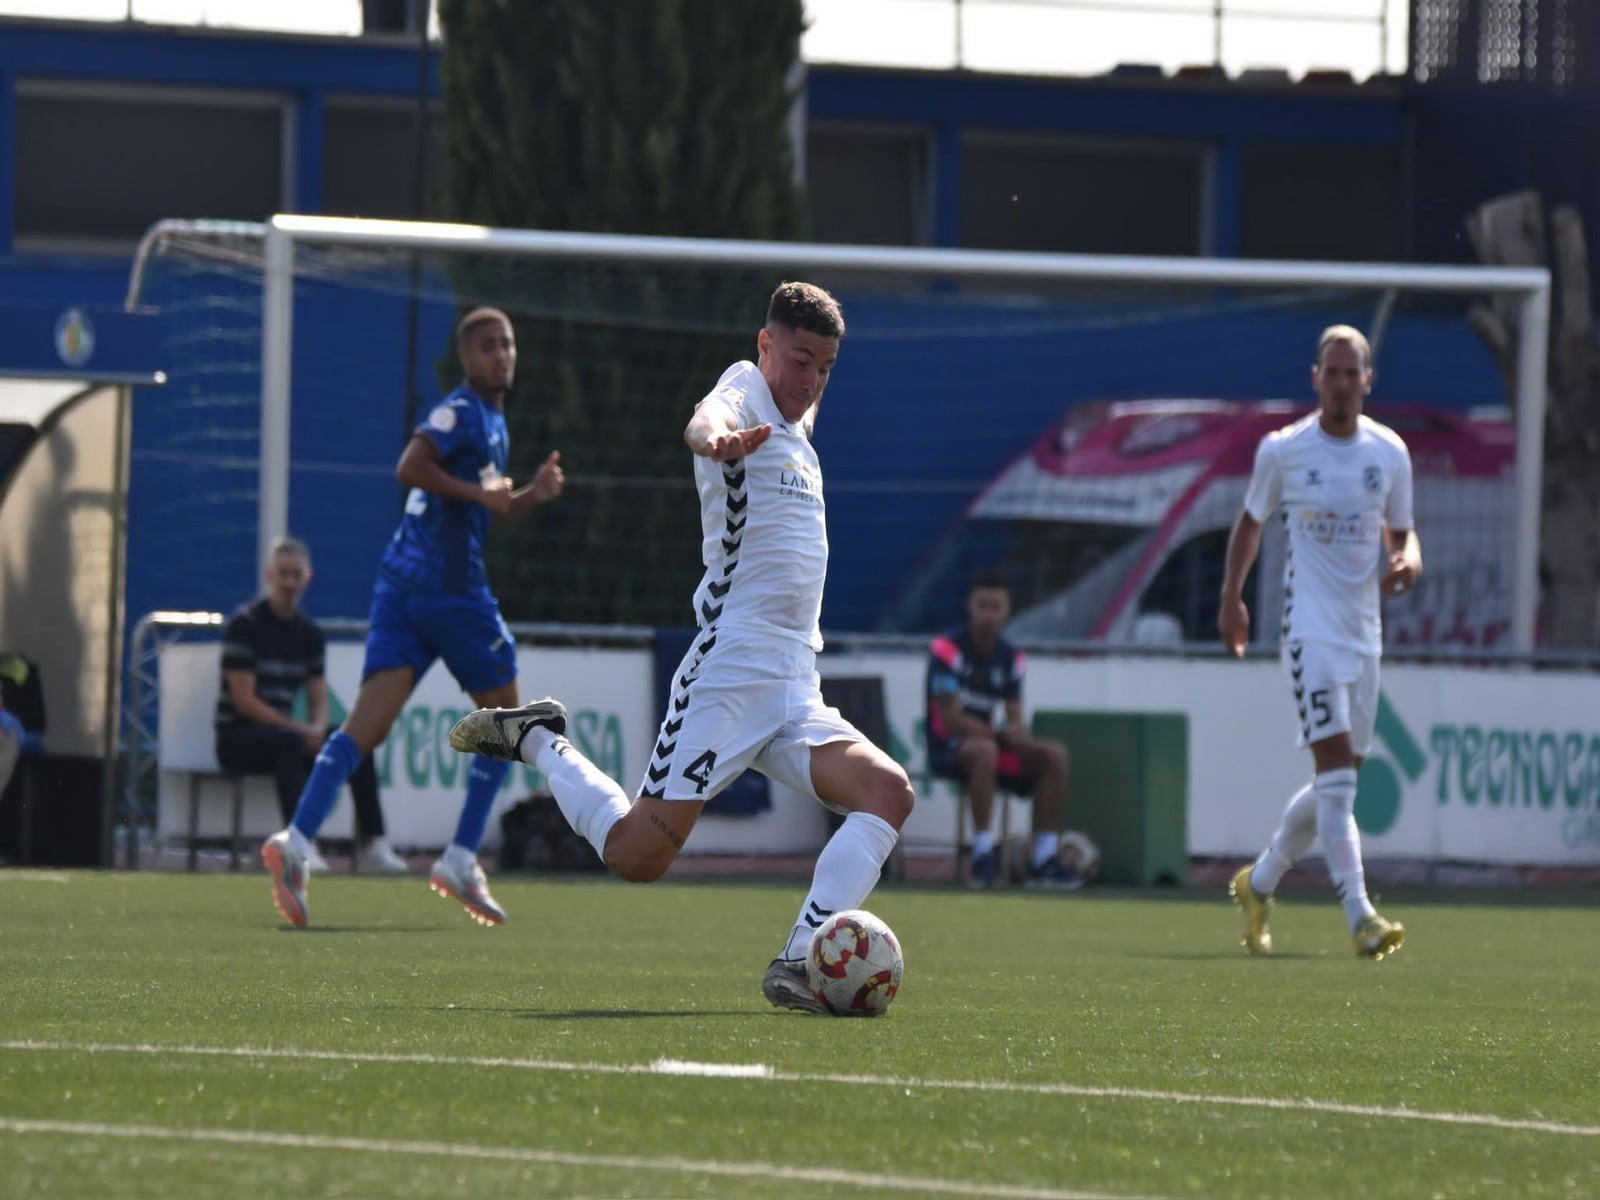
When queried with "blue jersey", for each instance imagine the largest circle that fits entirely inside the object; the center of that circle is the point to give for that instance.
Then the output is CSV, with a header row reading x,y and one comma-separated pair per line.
x,y
438,547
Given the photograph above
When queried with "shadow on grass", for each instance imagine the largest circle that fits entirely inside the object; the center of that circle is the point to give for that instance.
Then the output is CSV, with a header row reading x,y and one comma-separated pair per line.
x,y
617,1014
1413,896
311,930
573,1014
1214,955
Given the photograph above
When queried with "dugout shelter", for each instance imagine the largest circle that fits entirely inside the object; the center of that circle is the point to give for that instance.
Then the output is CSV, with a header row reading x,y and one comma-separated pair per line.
x,y
66,379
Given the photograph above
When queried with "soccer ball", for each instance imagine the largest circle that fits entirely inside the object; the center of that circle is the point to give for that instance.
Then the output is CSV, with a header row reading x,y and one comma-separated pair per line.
x,y
854,965
1079,851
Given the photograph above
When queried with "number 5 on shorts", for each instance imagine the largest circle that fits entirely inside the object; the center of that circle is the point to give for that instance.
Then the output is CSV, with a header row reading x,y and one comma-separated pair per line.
x,y
1319,706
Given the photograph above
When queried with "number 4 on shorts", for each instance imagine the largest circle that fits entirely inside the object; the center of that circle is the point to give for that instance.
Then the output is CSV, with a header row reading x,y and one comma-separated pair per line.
x,y
699,771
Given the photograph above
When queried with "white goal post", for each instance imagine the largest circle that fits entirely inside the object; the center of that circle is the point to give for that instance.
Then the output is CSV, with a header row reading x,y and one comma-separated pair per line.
x,y
1531,287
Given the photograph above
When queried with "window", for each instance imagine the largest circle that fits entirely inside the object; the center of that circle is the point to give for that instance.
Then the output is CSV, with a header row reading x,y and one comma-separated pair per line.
x,y
102,163
1023,192
369,153
868,186
1321,202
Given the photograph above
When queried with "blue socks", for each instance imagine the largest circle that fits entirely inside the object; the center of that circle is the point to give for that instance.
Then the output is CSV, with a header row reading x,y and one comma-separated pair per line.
x,y
484,778
336,762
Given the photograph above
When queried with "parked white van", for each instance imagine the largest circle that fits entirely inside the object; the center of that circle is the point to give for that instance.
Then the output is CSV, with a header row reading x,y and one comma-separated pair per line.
x,y
1113,527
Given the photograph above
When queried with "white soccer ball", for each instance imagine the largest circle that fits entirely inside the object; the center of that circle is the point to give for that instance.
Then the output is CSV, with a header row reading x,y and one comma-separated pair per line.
x,y
1081,852
854,965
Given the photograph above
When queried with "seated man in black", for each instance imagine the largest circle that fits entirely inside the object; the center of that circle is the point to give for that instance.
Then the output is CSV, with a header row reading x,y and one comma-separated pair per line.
x,y
977,735
12,736
269,652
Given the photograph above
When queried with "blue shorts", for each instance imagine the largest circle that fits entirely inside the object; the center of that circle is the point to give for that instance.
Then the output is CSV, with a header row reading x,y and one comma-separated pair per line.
x,y
411,629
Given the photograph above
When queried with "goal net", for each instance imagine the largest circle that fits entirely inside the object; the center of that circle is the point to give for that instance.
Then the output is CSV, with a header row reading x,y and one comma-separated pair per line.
x,y
1084,424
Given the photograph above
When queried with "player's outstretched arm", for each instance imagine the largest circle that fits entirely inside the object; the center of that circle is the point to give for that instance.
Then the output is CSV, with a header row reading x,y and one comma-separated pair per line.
x,y
1233,617
712,433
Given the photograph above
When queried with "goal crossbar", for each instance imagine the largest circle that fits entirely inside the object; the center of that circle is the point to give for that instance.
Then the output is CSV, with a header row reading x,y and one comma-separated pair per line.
x,y
1530,285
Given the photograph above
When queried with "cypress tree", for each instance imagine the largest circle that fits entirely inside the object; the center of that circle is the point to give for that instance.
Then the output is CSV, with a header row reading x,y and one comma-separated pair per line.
x,y
628,116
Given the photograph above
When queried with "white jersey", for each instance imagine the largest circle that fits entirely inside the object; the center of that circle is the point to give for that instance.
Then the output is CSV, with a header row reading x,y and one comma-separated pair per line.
x,y
1336,495
763,522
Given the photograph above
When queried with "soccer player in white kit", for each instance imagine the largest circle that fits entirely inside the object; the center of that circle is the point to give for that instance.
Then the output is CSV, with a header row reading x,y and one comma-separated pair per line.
x,y
747,692
1343,484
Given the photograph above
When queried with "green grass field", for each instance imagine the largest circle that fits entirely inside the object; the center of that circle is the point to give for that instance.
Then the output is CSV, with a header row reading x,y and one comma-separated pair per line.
x,y
166,1036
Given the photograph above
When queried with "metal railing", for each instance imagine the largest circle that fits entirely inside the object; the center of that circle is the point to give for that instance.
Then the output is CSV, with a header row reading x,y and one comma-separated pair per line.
x,y
1200,32
141,712
1231,35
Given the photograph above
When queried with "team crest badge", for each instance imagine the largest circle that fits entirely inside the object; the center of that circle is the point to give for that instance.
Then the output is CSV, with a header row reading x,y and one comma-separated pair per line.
x,y
74,337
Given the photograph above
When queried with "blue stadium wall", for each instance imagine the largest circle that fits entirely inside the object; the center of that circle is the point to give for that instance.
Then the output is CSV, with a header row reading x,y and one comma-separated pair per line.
x,y
931,400
952,413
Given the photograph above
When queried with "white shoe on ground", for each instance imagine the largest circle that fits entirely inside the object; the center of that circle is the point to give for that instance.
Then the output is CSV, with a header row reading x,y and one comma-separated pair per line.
x,y
288,868
379,858
470,887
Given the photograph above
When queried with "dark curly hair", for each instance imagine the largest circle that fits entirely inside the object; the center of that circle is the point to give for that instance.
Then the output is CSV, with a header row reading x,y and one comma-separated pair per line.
x,y
805,306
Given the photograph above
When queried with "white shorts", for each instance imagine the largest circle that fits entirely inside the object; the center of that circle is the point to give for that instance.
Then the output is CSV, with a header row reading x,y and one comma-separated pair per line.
x,y
742,700
1335,691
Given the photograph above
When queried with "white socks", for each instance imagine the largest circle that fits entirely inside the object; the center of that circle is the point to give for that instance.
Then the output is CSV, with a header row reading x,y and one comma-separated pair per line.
x,y
534,742
847,870
588,798
1045,847
460,858
303,846
1341,842
1325,808
1295,833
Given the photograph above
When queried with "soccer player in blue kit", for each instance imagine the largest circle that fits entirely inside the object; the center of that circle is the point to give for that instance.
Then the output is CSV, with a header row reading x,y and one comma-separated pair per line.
x,y
432,601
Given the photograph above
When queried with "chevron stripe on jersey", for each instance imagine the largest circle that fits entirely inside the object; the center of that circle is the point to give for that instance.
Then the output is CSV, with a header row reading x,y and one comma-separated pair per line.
x,y
1288,580
736,506
1337,495
764,536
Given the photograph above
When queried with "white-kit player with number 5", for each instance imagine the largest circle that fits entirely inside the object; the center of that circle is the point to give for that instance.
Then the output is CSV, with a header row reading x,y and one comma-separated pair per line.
x,y
747,692
1342,482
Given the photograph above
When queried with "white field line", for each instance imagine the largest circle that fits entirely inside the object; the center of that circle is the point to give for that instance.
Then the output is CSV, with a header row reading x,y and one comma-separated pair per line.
x,y
678,1066
699,1168
759,1072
